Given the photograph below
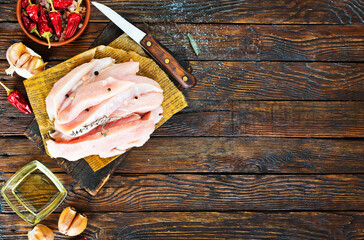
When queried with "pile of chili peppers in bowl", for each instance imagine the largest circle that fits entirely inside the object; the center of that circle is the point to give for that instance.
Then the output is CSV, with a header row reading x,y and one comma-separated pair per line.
x,y
55,21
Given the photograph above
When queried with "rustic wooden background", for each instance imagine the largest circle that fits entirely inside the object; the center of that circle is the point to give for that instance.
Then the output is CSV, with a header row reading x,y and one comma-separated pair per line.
x,y
270,147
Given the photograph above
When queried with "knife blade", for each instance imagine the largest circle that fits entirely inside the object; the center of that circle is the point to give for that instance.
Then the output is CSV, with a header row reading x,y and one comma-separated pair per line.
x,y
151,45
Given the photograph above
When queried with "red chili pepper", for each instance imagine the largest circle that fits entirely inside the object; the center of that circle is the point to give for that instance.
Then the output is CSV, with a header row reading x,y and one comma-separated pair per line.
x,y
62,4
29,25
32,11
73,20
42,15
45,31
55,17
17,100
24,3
44,26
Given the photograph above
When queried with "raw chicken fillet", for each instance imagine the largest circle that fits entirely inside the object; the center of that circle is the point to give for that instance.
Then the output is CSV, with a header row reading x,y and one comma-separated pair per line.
x,y
102,108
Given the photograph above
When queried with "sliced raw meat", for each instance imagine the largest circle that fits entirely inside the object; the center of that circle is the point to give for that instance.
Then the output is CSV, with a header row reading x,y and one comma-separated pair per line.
x,y
140,104
70,81
102,108
90,95
121,135
145,102
118,71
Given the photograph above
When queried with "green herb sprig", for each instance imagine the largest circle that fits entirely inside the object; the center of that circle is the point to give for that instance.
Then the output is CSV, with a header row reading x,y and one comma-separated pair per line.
x,y
101,122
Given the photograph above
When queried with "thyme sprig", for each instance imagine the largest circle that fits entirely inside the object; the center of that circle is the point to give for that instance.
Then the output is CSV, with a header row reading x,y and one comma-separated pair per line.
x,y
101,122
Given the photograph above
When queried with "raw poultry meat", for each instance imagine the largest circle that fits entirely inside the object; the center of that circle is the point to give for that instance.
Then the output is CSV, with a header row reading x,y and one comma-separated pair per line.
x,y
71,81
102,108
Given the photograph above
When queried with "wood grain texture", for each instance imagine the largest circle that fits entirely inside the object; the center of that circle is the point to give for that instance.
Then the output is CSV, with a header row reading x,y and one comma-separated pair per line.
x,y
215,155
299,119
222,80
226,41
272,118
212,192
333,119
204,225
267,12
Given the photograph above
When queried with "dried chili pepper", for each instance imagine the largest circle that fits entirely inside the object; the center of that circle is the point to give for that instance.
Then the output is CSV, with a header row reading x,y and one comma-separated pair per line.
x,y
73,20
29,25
17,100
45,31
32,11
24,3
55,17
42,15
62,4
44,26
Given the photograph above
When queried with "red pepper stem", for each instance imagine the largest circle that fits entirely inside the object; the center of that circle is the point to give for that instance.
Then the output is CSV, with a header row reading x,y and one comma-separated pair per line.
x,y
51,2
8,91
30,3
78,6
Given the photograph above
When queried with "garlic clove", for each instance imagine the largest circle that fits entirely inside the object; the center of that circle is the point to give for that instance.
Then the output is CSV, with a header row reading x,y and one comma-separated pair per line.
x,y
28,63
41,232
66,218
78,225
15,51
31,63
23,59
39,67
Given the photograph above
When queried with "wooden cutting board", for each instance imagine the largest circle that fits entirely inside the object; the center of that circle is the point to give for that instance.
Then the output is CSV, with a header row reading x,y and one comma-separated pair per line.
x,y
79,170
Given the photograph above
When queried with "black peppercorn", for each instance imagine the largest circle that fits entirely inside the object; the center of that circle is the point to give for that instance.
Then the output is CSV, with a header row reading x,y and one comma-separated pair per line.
x,y
109,89
96,73
67,96
87,110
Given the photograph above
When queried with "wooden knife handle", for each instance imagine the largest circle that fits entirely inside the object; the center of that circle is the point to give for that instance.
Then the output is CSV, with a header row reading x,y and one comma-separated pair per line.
x,y
169,63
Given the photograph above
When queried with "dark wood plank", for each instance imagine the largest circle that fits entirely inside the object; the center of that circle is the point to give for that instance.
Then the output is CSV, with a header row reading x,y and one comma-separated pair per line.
x,y
227,41
221,80
272,118
267,12
331,119
204,225
299,119
215,154
195,192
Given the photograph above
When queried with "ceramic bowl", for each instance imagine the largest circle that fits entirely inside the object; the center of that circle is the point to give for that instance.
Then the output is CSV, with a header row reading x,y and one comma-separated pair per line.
x,y
44,41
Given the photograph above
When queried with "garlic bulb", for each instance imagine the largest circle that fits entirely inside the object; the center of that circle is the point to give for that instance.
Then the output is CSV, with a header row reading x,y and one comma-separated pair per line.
x,y
41,232
24,61
71,223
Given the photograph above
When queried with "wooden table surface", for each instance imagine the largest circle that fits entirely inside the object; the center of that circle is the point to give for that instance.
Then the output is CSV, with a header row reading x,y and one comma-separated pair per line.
x,y
270,147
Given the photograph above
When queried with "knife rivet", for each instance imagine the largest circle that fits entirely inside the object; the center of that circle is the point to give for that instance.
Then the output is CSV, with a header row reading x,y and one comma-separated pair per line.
x,y
166,60
149,44
184,78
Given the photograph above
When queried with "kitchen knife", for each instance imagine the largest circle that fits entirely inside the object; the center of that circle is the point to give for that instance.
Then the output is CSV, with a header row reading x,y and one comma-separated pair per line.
x,y
151,45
